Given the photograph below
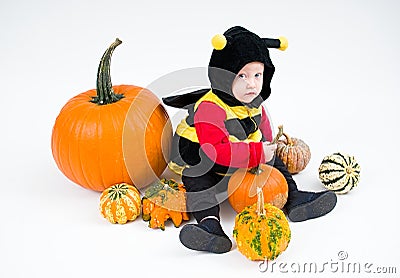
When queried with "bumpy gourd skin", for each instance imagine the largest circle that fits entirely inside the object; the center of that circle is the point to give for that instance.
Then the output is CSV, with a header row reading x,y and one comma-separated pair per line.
x,y
261,236
162,201
120,203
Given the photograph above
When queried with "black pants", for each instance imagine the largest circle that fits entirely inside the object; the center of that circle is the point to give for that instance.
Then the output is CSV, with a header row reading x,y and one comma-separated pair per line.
x,y
202,190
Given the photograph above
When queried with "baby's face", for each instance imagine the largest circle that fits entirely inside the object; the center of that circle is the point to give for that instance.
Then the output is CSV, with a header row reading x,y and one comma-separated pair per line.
x,y
248,82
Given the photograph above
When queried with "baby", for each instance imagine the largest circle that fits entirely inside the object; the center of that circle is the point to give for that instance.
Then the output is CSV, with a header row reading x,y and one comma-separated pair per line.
x,y
227,128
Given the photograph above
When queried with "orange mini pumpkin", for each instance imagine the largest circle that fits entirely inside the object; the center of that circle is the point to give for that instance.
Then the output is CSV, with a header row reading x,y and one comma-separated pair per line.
x,y
112,134
242,187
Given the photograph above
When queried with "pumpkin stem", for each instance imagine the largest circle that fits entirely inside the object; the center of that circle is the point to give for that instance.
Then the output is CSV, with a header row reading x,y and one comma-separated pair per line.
x,y
288,139
260,202
256,170
105,91
278,135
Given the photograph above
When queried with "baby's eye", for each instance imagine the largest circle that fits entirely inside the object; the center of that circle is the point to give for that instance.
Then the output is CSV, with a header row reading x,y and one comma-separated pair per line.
x,y
242,75
258,75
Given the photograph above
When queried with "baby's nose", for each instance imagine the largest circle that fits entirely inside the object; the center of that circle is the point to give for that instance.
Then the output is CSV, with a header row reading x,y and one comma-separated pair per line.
x,y
251,83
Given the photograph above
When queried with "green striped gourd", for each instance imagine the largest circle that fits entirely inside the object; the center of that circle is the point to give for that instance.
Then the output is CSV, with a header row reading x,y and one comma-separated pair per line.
x,y
339,172
120,203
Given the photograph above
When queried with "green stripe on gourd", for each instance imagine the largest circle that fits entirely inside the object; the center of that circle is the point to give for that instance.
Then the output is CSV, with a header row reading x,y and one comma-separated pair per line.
x,y
339,172
117,191
120,203
261,230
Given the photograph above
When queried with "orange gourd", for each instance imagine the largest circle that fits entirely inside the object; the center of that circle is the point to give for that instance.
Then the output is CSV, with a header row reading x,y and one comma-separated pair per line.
x,y
242,187
120,203
164,200
112,134
261,231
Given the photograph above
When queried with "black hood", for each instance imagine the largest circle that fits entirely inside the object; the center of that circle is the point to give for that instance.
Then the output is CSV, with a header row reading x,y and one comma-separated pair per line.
x,y
242,47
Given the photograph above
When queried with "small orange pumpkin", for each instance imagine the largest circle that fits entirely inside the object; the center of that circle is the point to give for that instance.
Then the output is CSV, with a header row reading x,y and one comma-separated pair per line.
x,y
293,152
112,134
242,187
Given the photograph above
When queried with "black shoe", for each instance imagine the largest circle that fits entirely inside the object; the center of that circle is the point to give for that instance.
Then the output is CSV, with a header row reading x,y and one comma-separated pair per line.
x,y
205,236
303,205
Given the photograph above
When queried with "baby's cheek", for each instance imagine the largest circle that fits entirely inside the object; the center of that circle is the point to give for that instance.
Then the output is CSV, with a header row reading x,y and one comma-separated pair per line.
x,y
239,88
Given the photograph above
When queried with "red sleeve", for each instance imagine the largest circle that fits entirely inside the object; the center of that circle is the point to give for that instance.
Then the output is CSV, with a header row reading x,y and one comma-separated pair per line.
x,y
265,126
214,139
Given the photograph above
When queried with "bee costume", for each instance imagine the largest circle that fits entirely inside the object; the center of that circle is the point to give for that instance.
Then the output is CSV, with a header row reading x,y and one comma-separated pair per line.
x,y
221,134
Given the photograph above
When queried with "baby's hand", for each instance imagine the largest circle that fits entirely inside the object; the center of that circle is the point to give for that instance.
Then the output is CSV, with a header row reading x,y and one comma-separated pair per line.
x,y
269,150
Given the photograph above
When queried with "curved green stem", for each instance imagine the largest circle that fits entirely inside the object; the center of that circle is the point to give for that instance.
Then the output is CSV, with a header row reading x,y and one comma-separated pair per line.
x,y
104,89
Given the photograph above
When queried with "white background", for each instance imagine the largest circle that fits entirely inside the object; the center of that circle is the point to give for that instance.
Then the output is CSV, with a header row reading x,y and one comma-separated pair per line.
x,y
336,87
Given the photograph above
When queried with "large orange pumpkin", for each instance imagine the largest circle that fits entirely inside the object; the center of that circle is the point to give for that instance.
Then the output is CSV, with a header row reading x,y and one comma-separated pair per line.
x,y
95,136
242,187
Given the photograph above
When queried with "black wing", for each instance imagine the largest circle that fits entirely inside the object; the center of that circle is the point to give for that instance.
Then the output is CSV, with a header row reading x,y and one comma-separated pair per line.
x,y
183,101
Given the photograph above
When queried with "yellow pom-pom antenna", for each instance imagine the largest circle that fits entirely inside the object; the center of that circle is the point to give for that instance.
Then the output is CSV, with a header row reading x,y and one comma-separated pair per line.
x,y
280,43
218,42
284,43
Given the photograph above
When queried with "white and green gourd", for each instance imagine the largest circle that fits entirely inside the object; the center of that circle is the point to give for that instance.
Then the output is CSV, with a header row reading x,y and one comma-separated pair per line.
x,y
339,172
